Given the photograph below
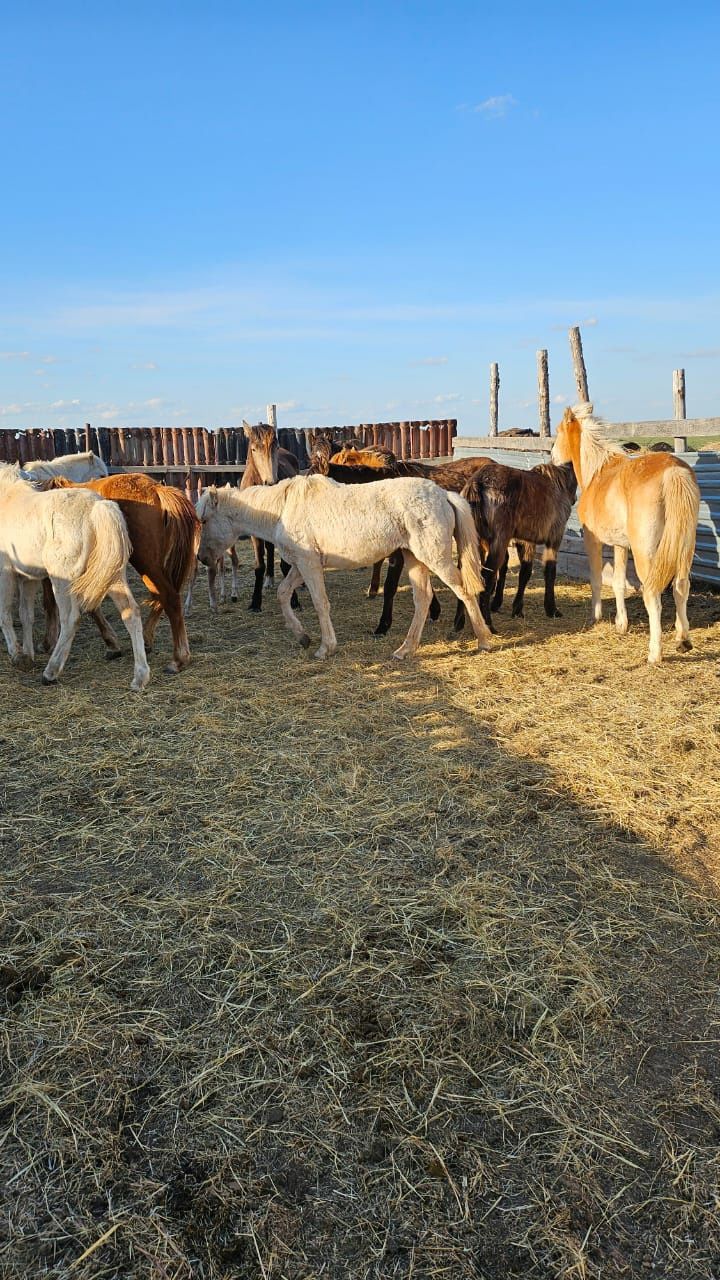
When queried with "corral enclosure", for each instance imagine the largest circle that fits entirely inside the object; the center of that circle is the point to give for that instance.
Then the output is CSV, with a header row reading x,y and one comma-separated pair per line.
x,y
365,970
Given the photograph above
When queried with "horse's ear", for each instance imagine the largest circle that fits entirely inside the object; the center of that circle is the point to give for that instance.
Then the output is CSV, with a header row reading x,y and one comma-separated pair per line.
x,y
246,428
212,495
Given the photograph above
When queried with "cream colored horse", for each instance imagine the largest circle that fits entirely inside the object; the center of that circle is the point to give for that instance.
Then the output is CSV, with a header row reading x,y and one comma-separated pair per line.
x,y
646,503
77,467
316,523
77,540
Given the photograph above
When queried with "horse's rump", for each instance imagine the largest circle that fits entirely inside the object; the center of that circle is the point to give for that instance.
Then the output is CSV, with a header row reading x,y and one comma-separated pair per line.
x,y
107,549
681,502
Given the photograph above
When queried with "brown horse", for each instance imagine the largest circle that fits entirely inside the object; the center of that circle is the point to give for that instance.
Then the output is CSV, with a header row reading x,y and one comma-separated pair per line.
x,y
372,455
648,504
529,507
165,534
266,463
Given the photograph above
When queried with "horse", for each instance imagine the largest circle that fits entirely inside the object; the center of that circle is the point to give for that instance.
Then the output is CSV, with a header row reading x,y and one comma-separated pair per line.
x,y
528,507
80,543
647,504
74,466
164,532
266,463
373,455
316,522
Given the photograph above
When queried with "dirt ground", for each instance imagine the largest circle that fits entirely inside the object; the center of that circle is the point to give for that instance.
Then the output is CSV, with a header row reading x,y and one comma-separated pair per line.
x,y
356,969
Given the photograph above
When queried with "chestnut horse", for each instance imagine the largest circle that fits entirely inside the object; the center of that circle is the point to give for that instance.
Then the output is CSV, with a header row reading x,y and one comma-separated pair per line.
x,y
648,504
165,534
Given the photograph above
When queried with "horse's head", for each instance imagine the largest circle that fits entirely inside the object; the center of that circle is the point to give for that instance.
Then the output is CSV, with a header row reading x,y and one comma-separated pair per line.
x,y
566,446
96,467
215,531
263,450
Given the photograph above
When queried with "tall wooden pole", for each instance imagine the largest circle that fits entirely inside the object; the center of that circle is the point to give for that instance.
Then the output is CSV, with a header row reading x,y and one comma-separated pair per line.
x,y
543,392
579,365
494,395
272,415
679,442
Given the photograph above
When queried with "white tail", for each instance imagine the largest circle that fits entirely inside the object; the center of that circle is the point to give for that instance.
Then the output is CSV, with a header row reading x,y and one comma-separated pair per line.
x,y
107,554
675,550
466,538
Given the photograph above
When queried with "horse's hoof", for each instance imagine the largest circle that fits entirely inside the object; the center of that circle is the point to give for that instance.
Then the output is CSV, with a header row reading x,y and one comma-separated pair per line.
x,y
305,641
495,608
554,613
234,599
172,669
380,630
320,655
22,662
48,680
484,646
138,684
622,628
254,608
684,646
371,594
112,654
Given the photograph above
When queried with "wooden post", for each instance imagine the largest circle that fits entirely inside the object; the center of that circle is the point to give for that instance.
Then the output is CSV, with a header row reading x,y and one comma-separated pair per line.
x,y
272,415
579,365
543,392
494,397
679,442
88,438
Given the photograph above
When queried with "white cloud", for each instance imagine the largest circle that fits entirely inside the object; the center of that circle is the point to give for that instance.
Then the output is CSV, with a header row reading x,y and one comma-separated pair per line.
x,y
154,403
429,360
64,404
450,398
559,399
14,355
284,406
7,410
49,359
146,364
496,107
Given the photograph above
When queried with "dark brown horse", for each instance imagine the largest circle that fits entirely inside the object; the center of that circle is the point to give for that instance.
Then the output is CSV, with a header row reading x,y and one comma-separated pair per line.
x,y
528,507
165,533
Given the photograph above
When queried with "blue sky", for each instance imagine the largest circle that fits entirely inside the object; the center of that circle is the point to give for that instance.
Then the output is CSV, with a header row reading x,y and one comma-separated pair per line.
x,y
352,209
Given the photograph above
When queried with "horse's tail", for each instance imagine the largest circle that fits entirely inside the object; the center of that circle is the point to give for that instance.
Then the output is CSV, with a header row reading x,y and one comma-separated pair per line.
x,y
182,535
675,550
108,553
466,537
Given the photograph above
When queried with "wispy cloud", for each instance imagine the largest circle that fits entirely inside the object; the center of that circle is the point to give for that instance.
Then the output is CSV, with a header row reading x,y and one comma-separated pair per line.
x,y
14,355
285,406
559,399
145,364
449,398
702,353
428,360
496,107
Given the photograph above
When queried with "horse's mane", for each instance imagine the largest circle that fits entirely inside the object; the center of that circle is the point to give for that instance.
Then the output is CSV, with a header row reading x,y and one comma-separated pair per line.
x,y
595,449
11,472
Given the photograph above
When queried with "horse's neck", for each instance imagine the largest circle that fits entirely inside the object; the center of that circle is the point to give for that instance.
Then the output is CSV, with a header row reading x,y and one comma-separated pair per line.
x,y
593,454
257,508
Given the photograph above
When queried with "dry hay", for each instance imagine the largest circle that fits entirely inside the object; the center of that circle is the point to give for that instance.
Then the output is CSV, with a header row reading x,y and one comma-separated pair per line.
x,y
356,970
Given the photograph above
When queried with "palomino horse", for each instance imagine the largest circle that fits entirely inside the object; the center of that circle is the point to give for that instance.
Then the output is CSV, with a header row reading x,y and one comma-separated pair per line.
x,y
527,506
165,533
74,466
648,504
81,544
317,523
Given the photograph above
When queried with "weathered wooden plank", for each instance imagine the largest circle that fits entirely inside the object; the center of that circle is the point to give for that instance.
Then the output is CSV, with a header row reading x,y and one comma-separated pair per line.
x,y
579,369
543,393
494,398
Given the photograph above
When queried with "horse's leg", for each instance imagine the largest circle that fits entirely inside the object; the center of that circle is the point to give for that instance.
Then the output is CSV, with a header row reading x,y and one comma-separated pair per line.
x,y
112,644
526,552
28,589
619,579
593,549
312,575
449,573
495,557
285,591
191,587
375,583
212,584
167,600
270,567
653,605
234,562
550,574
52,624
69,616
220,593
7,596
259,551
434,611
285,569
392,578
681,591
126,605
500,586
419,576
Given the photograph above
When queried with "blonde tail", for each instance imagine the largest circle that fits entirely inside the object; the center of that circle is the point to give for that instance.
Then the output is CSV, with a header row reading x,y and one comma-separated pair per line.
x,y
108,554
675,550
466,538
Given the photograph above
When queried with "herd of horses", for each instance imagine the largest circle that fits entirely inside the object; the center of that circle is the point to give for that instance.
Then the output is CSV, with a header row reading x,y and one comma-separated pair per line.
x,y
69,526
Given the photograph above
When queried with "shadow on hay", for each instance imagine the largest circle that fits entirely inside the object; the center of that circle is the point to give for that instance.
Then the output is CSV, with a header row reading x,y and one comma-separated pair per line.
x,y
380,1005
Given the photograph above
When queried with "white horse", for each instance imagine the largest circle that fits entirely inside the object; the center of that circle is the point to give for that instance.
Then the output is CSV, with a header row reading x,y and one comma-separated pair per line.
x,y
79,541
73,466
316,523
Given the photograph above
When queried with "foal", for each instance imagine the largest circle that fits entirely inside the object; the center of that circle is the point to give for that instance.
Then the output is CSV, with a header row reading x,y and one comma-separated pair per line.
x,y
531,507
266,463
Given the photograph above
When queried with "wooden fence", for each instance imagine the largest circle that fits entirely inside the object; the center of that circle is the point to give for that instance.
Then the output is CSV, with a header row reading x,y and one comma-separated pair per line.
x,y
193,457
